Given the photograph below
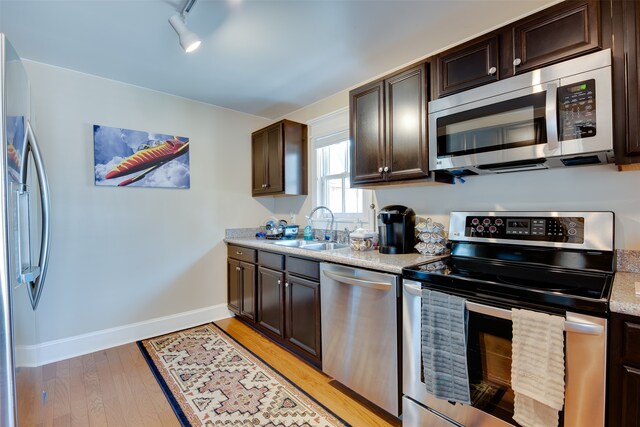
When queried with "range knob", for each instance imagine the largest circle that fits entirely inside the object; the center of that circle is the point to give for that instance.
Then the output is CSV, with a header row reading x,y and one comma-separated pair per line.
x,y
475,221
479,229
499,222
492,229
486,221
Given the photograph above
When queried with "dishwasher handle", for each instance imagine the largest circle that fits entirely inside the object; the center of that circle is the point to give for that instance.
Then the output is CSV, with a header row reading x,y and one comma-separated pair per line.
x,y
350,280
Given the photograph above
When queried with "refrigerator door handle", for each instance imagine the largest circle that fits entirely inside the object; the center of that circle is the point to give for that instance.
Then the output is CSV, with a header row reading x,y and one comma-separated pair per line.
x,y
35,276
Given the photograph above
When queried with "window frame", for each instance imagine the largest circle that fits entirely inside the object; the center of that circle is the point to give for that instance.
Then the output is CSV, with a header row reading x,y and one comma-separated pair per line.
x,y
326,130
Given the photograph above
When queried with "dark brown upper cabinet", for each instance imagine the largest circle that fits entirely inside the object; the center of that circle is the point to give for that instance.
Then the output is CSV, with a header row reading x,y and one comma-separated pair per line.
x,y
279,160
366,108
563,31
469,65
626,82
388,129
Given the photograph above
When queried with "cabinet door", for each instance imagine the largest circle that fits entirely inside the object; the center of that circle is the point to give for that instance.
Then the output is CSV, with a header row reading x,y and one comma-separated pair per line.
x,y
366,107
631,13
233,285
406,136
248,287
274,157
303,314
258,162
630,395
271,300
466,66
558,33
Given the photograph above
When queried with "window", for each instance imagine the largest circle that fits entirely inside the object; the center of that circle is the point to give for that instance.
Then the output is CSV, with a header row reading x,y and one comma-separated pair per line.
x,y
331,169
333,186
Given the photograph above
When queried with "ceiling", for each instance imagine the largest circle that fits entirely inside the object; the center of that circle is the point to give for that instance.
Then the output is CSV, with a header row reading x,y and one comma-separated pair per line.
x,y
262,57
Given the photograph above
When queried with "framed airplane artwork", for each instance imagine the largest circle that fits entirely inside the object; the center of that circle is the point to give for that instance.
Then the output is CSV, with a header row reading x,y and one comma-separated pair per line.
x,y
132,158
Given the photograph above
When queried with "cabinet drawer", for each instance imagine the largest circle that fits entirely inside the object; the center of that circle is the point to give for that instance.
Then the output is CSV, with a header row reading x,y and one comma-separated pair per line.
x,y
271,260
303,267
631,339
242,254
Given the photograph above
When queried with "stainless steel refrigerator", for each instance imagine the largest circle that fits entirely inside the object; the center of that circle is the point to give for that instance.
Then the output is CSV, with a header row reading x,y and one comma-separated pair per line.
x,y
24,246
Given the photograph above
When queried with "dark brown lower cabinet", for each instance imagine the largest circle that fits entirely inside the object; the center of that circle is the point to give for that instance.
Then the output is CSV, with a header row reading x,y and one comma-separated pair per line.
x,y
280,297
271,300
241,285
303,314
623,395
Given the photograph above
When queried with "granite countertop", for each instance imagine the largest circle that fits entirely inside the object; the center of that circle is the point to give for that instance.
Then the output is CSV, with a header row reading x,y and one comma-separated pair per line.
x,y
373,260
623,296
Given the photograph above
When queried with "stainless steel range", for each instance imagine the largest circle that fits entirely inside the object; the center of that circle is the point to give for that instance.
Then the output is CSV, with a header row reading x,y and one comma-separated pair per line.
x,y
559,263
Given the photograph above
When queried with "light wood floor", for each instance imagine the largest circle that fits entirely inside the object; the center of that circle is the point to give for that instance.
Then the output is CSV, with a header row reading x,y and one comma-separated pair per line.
x,y
115,388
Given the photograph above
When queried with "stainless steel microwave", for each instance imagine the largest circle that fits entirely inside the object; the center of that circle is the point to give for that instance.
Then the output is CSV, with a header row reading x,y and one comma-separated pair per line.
x,y
560,115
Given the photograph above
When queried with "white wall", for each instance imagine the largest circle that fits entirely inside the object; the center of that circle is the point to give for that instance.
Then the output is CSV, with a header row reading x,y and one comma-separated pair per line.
x,y
127,255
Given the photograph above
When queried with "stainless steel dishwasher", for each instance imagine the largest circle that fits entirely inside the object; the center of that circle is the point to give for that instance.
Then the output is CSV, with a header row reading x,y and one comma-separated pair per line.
x,y
360,327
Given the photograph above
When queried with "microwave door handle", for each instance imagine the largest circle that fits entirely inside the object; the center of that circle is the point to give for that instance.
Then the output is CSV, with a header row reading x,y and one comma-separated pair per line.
x,y
552,116
37,282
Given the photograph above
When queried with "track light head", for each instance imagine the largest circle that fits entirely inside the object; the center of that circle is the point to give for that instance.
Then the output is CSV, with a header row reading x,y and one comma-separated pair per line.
x,y
188,39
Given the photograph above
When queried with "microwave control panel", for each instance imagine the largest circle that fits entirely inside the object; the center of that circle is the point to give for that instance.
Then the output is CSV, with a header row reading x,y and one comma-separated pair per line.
x,y
542,229
577,110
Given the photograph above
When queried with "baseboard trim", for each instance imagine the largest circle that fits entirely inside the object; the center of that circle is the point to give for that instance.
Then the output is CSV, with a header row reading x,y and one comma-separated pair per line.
x,y
66,348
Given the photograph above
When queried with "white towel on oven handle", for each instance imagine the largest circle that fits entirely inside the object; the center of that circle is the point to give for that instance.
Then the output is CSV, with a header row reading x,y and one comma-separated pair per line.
x,y
537,367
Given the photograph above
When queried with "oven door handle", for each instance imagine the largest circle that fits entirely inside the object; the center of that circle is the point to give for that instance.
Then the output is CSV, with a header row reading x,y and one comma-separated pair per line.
x,y
501,313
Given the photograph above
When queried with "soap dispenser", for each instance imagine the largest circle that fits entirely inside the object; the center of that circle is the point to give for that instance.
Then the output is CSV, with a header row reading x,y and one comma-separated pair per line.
x,y
308,231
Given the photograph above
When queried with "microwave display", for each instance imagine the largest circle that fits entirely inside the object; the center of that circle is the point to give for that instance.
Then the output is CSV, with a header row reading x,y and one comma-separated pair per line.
x,y
577,110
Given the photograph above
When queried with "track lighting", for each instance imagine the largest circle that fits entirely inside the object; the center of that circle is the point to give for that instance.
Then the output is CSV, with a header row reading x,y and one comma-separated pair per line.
x,y
188,39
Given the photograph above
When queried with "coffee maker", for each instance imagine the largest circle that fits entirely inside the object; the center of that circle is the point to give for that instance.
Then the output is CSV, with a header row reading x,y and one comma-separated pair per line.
x,y
396,224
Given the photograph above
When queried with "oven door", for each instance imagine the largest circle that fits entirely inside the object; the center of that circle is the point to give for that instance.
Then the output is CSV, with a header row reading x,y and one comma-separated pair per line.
x,y
489,365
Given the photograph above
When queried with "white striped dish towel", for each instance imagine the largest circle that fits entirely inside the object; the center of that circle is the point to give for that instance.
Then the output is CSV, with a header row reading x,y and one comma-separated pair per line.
x,y
537,368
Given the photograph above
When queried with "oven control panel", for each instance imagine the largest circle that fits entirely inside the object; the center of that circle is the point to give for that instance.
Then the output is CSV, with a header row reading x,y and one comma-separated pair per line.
x,y
542,229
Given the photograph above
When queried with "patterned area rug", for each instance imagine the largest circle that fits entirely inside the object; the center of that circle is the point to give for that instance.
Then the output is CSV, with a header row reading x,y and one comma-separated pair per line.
x,y
212,380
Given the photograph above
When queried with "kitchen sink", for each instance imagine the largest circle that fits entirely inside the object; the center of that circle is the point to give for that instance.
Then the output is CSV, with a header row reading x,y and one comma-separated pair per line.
x,y
289,243
310,245
323,246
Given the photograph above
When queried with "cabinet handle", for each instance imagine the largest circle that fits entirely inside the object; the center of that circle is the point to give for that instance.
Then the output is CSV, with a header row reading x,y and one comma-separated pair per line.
x,y
517,61
380,170
279,282
386,169
492,71
286,284
239,253
237,268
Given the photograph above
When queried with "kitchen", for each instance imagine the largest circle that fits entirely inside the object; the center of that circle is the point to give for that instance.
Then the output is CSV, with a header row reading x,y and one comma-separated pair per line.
x,y
175,279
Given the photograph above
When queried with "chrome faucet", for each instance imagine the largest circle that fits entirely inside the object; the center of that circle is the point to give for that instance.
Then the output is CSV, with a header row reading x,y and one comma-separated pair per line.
x,y
332,218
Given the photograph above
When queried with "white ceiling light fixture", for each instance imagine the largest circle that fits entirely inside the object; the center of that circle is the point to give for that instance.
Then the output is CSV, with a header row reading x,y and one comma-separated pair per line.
x,y
188,39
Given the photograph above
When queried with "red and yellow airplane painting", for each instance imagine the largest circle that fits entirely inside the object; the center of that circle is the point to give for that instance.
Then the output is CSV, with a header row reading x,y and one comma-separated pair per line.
x,y
148,159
